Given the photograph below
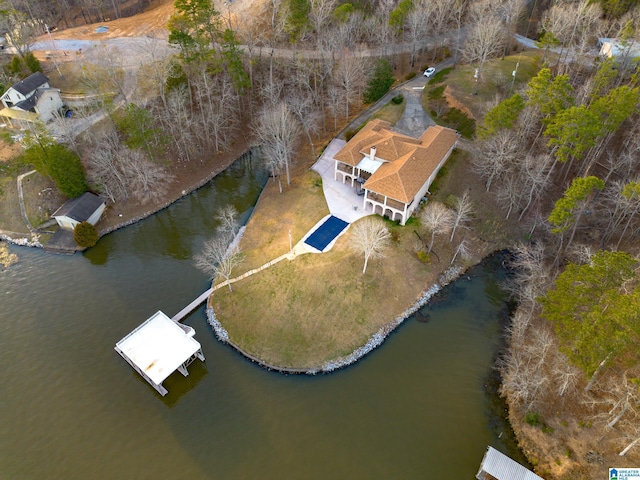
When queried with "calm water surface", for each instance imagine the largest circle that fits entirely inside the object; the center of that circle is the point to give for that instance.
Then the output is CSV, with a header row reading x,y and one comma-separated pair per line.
x,y
71,408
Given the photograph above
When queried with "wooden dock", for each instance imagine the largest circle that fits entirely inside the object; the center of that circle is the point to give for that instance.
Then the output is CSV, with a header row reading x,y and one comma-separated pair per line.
x,y
192,306
203,297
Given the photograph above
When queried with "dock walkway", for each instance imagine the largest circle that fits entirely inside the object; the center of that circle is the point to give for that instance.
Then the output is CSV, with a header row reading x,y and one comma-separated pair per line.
x,y
201,299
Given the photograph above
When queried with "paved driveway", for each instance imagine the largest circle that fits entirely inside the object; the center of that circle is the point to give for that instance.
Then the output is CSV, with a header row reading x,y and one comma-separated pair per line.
x,y
341,198
414,120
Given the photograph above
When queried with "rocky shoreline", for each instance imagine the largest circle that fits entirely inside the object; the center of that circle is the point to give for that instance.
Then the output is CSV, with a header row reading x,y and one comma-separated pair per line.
x,y
449,275
168,203
22,239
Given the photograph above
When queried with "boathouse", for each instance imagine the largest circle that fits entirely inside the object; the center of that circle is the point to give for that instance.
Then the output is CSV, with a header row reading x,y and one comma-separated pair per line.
x,y
86,208
159,347
497,466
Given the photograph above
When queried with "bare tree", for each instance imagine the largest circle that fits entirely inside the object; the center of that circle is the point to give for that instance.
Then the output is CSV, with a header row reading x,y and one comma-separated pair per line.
x,y
510,11
565,375
619,205
159,66
580,253
218,108
148,182
112,71
179,125
484,40
535,174
371,237
278,132
18,29
320,14
462,250
571,22
497,155
417,25
227,217
219,258
309,80
377,30
463,213
345,34
622,398
520,381
458,10
531,275
510,195
349,76
334,104
122,173
437,219
302,106
524,377
69,128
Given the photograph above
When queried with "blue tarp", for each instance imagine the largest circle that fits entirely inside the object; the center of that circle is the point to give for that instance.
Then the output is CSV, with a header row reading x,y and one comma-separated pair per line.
x,y
325,233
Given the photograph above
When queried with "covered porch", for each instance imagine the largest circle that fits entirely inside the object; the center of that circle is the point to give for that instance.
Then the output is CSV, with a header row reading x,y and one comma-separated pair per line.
x,y
386,206
359,173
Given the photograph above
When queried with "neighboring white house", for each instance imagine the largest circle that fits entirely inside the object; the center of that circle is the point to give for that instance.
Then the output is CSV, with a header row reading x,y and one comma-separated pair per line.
x,y
86,208
611,47
395,170
33,95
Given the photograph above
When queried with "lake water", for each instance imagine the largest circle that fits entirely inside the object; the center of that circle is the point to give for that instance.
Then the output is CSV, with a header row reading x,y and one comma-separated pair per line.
x,y
71,408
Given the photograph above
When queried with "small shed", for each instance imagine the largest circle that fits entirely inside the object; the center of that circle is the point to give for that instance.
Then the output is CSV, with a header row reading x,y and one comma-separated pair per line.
x,y
86,208
497,466
159,347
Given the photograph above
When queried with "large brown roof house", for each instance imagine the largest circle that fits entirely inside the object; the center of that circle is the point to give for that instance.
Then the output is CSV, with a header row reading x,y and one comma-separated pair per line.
x,y
395,170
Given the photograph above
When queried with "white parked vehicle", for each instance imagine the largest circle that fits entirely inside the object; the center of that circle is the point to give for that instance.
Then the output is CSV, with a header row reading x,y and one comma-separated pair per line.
x,y
429,72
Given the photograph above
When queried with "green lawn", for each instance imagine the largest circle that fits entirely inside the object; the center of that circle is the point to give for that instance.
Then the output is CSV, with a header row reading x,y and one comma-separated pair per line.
x,y
496,79
449,95
391,112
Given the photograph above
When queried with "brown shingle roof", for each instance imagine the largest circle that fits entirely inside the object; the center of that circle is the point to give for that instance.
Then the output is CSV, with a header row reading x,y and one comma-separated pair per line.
x,y
367,136
409,161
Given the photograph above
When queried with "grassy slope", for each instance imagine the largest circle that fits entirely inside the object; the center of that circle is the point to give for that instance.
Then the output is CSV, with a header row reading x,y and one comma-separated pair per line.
x,y
496,80
320,307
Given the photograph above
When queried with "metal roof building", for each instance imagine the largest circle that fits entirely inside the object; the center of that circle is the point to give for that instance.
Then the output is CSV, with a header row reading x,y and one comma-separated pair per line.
x,y
159,347
497,466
